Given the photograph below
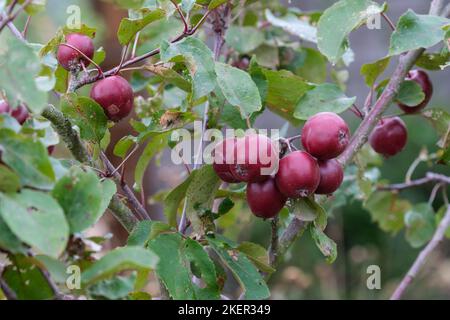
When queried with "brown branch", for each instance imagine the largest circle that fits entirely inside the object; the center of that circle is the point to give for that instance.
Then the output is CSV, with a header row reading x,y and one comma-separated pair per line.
x,y
430,177
389,21
126,189
423,256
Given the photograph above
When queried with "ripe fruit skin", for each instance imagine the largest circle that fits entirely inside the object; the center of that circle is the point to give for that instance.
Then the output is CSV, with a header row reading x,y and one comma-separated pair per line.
x,y
50,150
70,58
389,136
420,77
331,176
325,135
4,107
223,157
264,199
115,95
298,175
20,113
256,158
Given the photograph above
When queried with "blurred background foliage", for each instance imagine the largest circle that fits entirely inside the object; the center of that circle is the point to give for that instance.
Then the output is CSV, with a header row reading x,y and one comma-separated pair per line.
x,y
360,241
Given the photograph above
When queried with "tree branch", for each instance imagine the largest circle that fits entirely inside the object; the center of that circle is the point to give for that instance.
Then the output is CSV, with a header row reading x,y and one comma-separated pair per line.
x,y
430,177
126,189
423,256
71,139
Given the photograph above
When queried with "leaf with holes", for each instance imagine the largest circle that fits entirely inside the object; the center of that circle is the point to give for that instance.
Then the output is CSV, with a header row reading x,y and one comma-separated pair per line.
x,y
198,58
117,260
243,270
28,158
36,219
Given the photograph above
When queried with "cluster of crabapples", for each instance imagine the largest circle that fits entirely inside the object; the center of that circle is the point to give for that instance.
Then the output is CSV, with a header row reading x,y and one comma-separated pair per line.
x,y
300,173
114,94
312,171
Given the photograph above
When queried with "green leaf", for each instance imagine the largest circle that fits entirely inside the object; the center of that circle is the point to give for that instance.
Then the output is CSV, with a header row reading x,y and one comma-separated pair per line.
x,y
420,224
113,289
215,3
410,93
238,88
387,210
181,259
242,268
99,56
129,27
26,280
19,67
293,25
326,245
28,158
440,120
9,241
257,254
309,64
123,146
83,198
87,115
199,60
10,182
117,260
157,143
306,209
284,91
36,219
371,71
338,21
433,61
146,231
170,76
325,97
130,4
244,39
416,31
174,198
200,195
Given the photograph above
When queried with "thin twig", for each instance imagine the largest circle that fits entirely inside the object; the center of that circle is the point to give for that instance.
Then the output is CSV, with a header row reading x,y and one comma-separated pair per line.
x,y
430,177
423,256
388,20
10,17
185,23
140,210
25,28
